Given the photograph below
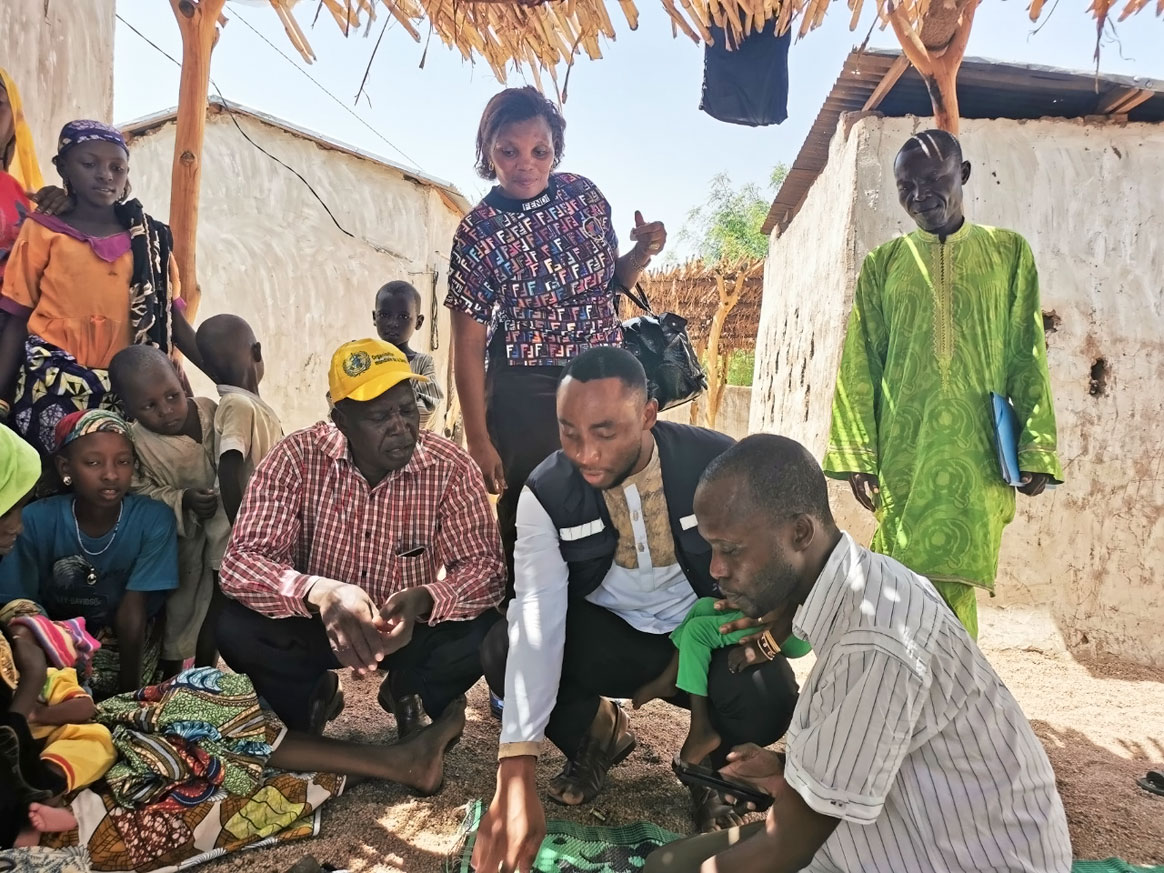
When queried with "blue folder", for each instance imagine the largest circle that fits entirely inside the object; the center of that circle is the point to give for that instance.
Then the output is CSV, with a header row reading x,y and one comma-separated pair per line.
x,y
1006,437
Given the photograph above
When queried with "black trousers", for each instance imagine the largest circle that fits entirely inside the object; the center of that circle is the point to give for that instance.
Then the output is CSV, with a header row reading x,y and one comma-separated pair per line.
x,y
521,413
286,658
606,657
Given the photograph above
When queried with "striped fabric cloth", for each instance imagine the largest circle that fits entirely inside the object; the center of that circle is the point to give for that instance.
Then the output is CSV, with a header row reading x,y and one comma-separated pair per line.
x,y
905,733
66,644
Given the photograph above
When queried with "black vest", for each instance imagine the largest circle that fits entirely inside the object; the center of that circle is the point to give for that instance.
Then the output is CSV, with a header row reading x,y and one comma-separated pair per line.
x,y
585,535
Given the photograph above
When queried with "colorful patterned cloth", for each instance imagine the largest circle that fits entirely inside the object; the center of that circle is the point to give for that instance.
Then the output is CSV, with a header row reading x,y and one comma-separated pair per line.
x,y
539,272
935,328
194,738
82,423
84,130
281,808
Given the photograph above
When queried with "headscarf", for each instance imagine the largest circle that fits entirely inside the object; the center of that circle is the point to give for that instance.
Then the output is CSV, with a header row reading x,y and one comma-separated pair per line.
x,y
24,167
78,424
84,130
19,468
151,297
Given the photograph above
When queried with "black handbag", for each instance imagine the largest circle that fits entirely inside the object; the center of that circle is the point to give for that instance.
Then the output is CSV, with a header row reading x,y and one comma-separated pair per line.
x,y
662,345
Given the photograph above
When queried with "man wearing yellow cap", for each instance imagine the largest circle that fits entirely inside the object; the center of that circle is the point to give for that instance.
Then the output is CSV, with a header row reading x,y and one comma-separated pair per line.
x,y
336,555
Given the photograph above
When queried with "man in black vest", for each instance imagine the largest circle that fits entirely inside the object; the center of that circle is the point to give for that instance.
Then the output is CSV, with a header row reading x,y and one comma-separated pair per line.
x,y
608,562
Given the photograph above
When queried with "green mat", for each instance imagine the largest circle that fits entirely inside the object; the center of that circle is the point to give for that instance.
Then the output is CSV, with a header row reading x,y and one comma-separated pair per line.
x,y
575,848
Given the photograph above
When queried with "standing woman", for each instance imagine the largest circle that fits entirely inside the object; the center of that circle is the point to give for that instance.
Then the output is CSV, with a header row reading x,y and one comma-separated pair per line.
x,y
532,283
80,287
19,170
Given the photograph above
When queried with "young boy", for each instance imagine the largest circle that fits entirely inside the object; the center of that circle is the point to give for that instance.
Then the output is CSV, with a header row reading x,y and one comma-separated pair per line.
x,y
694,640
174,438
397,316
245,427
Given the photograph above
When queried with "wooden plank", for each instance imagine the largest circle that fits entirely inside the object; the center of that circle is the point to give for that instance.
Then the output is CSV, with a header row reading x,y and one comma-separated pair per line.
x,y
1123,100
886,84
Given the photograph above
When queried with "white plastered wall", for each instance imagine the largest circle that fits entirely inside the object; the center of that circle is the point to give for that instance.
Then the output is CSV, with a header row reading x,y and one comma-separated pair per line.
x,y
1089,196
269,252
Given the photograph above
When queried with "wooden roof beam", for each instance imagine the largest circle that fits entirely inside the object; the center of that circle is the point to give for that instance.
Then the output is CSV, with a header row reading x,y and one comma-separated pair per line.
x,y
895,72
1123,100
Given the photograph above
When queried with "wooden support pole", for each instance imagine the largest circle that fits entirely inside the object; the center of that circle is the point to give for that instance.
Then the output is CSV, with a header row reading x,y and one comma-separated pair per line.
x,y
938,65
198,24
895,71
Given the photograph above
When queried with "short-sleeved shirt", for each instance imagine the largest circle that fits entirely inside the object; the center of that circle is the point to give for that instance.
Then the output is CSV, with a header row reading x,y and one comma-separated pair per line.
x,y
49,566
539,272
905,733
245,423
74,288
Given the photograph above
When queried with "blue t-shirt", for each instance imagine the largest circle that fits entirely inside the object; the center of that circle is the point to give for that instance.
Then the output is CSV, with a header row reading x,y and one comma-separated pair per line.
x,y
49,566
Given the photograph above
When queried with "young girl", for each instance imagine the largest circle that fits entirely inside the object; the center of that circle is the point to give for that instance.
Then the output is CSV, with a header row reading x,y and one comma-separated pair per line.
x,y
98,553
695,639
80,287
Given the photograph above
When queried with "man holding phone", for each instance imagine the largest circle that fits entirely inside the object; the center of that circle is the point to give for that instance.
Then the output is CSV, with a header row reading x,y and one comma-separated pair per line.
x,y
906,751
336,556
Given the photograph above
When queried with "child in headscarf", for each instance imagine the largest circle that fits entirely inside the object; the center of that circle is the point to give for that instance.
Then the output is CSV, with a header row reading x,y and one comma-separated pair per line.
x,y
98,553
82,286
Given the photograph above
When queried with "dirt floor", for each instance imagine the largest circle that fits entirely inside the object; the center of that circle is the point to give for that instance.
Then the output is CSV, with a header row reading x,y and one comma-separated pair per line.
x,y
1102,723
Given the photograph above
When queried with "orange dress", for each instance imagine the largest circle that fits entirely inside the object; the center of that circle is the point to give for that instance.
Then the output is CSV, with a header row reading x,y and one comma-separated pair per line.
x,y
75,299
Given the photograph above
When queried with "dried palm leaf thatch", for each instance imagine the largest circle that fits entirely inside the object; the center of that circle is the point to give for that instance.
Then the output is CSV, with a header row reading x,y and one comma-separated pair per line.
x,y
693,291
546,34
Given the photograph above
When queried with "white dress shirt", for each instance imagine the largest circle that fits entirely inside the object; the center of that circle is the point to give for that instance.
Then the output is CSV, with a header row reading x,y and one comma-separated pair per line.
x,y
905,733
648,598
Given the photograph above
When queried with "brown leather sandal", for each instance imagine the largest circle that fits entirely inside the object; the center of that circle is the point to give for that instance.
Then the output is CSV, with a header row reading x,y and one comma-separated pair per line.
x,y
585,773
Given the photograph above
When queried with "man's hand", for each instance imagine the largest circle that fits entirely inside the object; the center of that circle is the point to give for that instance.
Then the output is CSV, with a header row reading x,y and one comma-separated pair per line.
x,y
486,457
352,623
1034,484
754,766
203,502
400,614
866,488
512,829
744,655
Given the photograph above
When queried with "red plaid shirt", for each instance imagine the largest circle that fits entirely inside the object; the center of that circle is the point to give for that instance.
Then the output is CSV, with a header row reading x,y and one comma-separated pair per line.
x,y
309,514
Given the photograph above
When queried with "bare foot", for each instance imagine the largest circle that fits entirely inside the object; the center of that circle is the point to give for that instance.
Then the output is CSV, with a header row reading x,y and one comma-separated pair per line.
x,y
702,740
428,747
661,687
50,819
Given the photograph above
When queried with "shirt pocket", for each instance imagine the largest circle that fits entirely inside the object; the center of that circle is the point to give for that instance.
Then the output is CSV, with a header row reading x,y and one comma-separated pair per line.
x,y
414,571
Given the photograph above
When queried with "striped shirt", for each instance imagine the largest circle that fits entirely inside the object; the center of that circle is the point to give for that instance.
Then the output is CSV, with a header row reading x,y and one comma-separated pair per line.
x,y
905,733
309,513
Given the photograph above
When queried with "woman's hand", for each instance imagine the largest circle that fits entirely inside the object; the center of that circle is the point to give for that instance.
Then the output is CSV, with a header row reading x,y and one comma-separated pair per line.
x,y
649,237
51,200
489,461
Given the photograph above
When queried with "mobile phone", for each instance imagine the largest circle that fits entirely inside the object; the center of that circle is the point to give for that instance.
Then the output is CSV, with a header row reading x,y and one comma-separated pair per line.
x,y
705,777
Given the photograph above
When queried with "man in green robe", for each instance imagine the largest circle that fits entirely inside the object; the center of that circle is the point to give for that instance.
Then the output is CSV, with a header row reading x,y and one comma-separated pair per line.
x,y
942,317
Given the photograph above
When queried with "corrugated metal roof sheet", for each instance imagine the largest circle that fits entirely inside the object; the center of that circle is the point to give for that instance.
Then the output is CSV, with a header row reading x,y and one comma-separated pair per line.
x,y
986,89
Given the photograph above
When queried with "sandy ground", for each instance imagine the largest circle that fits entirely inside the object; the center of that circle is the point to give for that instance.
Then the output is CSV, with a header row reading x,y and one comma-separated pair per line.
x,y
1101,722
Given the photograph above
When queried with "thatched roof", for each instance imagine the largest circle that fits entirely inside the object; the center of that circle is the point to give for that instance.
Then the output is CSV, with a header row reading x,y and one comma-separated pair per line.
x,y
545,34
691,291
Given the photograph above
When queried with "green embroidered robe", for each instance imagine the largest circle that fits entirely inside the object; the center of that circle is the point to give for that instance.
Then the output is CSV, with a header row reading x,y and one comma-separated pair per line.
x,y
935,328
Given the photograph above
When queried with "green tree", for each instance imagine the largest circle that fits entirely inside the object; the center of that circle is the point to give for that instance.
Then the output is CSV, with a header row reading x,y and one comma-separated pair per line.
x,y
727,226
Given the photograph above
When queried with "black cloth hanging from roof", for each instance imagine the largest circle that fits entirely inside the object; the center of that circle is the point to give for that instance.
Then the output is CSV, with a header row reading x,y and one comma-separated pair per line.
x,y
748,85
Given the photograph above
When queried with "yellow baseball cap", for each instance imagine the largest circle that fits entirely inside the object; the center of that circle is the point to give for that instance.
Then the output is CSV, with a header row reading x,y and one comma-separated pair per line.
x,y
364,369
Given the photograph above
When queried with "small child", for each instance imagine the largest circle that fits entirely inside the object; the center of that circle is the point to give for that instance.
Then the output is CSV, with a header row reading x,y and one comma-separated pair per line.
x,y
245,426
397,316
59,713
695,639
174,437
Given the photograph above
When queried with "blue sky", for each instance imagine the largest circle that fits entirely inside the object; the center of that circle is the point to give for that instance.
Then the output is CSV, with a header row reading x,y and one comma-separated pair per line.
x,y
634,125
